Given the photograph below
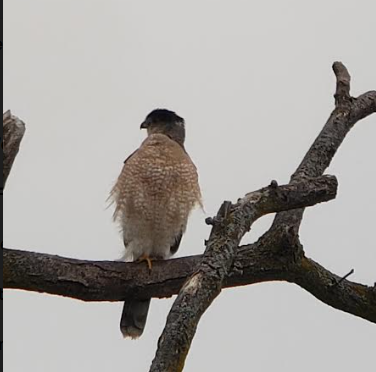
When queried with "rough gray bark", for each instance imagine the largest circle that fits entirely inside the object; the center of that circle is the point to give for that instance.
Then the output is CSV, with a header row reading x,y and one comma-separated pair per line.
x,y
229,226
116,281
333,290
13,131
348,111
277,255
195,296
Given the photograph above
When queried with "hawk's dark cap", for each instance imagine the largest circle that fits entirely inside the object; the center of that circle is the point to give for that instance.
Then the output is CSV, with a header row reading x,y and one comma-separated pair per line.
x,y
163,116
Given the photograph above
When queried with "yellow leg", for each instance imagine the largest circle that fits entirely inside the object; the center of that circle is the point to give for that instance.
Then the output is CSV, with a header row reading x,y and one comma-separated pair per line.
x,y
147,259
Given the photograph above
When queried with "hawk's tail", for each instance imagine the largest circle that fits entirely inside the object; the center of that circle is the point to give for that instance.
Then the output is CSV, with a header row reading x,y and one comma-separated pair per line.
x,y
133,318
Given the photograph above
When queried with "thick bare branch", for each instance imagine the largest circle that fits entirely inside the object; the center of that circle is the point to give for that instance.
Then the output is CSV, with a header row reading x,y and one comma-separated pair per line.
x,y
230,225
347,112
115,281
335,291
13,132
198,293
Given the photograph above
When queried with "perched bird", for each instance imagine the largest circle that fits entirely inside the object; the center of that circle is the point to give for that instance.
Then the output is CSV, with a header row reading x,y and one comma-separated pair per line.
x,y
154,195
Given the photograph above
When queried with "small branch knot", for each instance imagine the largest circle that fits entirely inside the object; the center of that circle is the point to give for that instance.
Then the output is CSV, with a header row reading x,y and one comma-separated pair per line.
x,y
209,221
273,184
222,214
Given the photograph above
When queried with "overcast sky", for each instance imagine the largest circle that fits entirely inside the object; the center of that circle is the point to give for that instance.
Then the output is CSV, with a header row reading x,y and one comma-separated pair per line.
x,y
254,82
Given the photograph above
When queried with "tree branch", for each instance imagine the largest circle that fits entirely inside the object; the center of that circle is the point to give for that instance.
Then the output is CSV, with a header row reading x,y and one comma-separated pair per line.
x,y
13,132
353,298
115,281
205,284
347,112
197,294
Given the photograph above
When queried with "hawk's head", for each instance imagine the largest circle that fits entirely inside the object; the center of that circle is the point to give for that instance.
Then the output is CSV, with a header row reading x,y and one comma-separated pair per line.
x,y
165,122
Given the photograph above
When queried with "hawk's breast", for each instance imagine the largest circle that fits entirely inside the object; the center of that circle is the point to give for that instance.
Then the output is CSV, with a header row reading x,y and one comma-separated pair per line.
x,y
154,194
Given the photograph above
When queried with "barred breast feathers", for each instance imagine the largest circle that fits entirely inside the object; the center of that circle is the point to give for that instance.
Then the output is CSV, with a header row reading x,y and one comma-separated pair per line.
x,y
160,174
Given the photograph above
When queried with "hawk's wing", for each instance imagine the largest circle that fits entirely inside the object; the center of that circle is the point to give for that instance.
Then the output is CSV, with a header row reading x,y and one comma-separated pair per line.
x,y
110,200
174,248
130,156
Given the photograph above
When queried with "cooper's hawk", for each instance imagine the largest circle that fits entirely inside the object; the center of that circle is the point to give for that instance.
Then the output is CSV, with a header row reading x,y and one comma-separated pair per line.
x,y
154,194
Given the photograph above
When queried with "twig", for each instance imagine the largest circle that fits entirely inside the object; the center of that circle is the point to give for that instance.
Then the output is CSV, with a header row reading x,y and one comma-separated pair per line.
x,y
350,297
344,277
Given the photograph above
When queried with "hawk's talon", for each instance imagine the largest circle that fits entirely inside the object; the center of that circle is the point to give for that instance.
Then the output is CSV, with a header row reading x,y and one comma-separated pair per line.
x,y
147,259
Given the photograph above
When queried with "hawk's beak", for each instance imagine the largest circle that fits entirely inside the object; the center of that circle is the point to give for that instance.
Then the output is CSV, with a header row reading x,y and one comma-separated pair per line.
x,y
144,125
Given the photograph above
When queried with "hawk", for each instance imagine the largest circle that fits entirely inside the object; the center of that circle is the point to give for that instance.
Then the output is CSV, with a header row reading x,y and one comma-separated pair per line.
x,y
154,195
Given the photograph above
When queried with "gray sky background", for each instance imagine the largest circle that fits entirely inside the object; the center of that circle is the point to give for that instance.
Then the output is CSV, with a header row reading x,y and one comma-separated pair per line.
x,y
254,82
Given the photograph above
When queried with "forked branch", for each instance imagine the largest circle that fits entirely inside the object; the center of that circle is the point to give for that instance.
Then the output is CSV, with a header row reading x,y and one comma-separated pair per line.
x,y
206,283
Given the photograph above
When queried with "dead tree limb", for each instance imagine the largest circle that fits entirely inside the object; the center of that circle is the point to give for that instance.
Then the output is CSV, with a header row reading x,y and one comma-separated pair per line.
x,y
13,132
229,226
347,112
335,291
115,281
205,284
